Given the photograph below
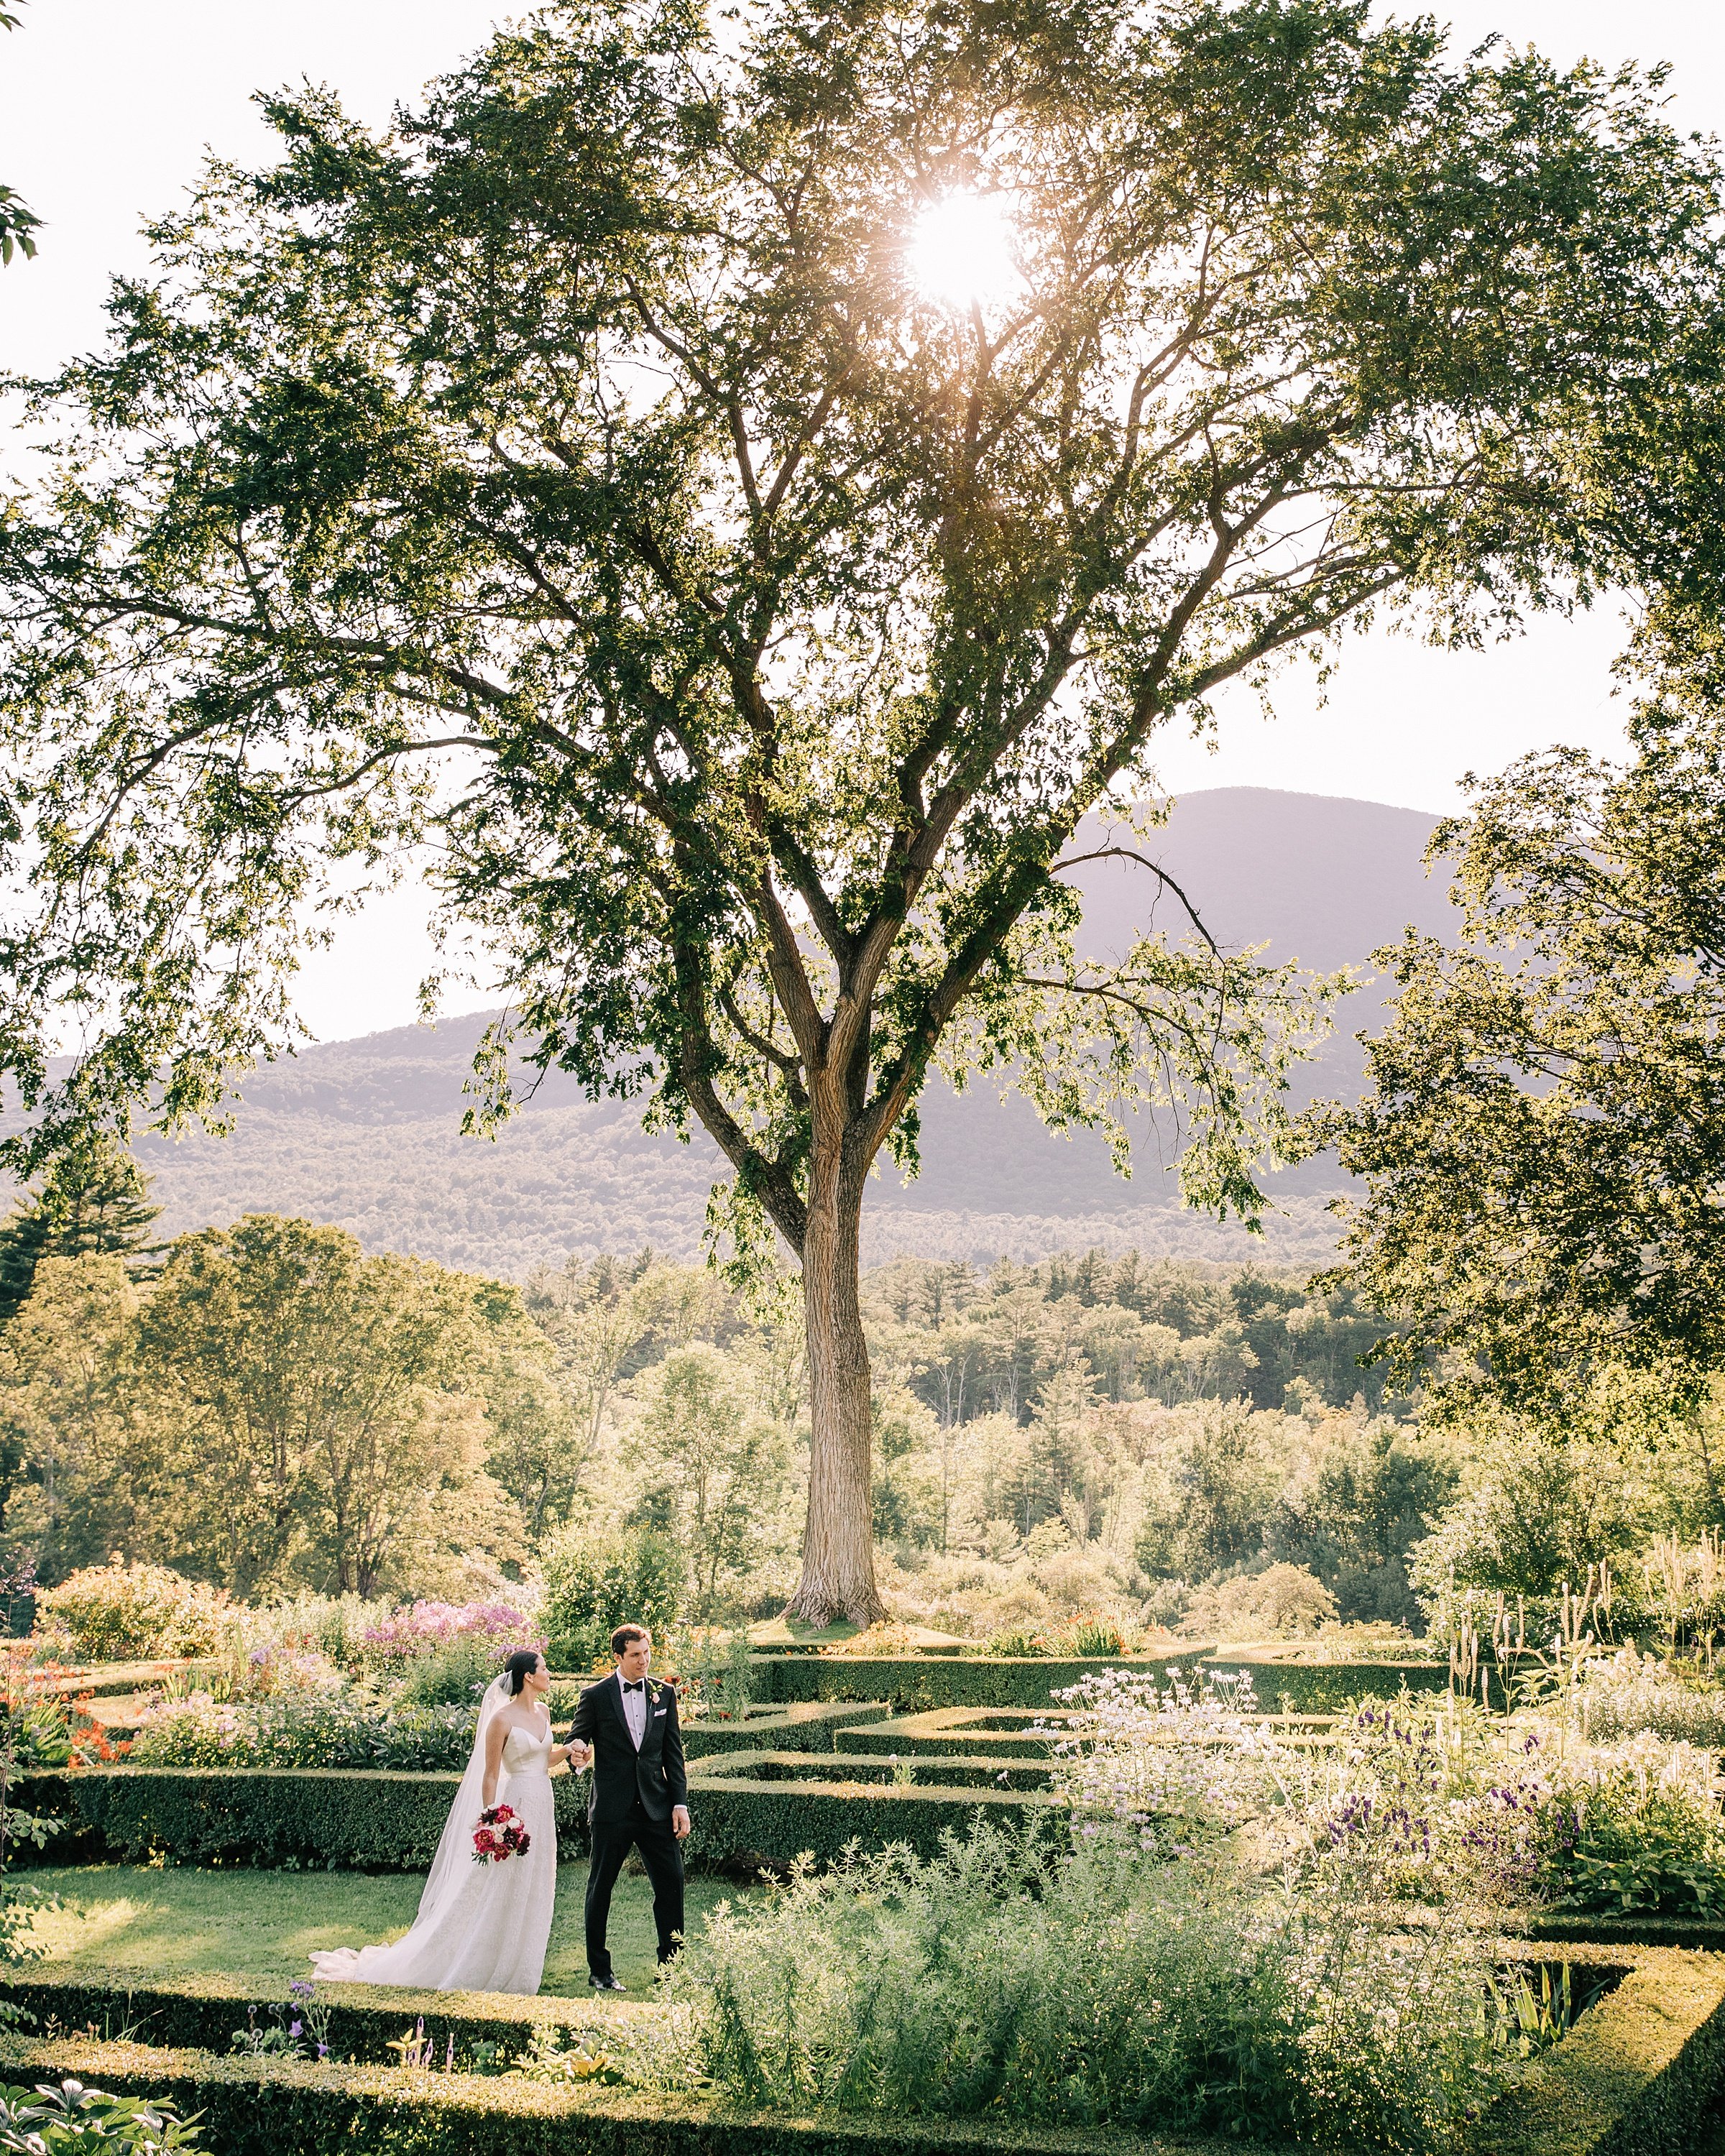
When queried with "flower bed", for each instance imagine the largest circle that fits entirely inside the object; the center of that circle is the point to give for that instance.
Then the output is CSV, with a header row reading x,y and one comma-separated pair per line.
x,y
1638,2076
304,1730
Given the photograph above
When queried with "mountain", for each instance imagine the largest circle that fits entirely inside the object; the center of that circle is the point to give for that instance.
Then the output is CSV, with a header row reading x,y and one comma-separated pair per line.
x,y
365,1133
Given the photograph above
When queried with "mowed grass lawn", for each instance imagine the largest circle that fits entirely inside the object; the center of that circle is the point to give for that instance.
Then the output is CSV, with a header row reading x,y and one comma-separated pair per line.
x,y
263,1924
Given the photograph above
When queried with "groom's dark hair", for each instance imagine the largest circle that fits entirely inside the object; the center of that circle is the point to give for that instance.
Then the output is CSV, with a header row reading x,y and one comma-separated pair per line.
x,y
624,1637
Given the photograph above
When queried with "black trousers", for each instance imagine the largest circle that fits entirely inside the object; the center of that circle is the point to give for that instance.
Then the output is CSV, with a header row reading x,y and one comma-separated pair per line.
x,y
662,1854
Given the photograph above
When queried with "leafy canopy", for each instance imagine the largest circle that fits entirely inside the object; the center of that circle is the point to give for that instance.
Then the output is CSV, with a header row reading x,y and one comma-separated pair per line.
x,y
575,481
1544,1145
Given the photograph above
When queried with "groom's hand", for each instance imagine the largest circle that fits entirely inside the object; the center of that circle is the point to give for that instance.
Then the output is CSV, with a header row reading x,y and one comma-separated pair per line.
x,y
580,1753
679,1821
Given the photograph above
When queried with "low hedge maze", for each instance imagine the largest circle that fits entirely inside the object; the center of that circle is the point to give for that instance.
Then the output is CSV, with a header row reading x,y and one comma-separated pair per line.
x,y
1639,2076
928,1742
750,1809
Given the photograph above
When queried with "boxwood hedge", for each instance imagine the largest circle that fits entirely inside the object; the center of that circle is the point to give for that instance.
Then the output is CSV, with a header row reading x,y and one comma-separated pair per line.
x,y
913,1683
343,1817
352,1819
201,2013
982,1732
806,1726
743,1819
1640,2076
1295,1688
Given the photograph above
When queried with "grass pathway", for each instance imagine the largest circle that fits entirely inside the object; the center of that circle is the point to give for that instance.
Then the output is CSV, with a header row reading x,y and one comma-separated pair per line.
x,y
263,1924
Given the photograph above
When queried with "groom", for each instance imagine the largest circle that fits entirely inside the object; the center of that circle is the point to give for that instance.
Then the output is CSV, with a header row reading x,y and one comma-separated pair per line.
x,y
626,1725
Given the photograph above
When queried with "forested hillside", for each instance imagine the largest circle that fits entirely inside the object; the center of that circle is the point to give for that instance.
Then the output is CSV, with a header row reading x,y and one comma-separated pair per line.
x,y
364,1133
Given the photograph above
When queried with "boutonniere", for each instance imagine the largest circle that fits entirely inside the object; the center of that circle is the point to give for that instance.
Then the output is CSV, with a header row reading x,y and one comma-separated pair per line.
x,y
655,1691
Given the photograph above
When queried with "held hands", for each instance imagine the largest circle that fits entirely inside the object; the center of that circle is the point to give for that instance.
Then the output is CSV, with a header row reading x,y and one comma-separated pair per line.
x,y
580,1754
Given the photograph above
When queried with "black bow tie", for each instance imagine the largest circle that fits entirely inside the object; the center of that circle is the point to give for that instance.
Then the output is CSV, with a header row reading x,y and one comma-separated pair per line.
x,y
640,1685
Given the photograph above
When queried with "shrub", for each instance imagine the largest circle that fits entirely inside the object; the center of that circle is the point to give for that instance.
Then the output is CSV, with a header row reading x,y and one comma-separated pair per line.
x,y
422,1630
592,1587
58,2120
1637,1827
388,1821
1088,1989
1281,1598
1018,1643
714,1675
453,1675
327,1731
122,1612
1631,1692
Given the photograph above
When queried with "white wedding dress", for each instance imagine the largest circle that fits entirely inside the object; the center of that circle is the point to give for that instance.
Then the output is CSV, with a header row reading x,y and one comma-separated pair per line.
x,y
480,1927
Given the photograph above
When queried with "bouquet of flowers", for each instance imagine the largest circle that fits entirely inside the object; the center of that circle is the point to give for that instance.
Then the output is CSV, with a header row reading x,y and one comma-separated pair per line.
x,y
500,1835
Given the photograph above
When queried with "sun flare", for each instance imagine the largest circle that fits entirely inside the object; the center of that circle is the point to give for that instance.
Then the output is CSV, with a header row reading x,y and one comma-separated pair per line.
x,y
961,251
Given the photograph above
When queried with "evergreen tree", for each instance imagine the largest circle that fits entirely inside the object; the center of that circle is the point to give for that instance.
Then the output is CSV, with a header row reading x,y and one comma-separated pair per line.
x,y
93,1201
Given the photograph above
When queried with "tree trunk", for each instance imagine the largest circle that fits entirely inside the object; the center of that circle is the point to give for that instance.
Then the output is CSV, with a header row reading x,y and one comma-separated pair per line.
x,y
839,1543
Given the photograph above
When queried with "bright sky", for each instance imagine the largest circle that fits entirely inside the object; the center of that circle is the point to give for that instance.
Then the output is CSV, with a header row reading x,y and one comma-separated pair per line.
x,y
105,107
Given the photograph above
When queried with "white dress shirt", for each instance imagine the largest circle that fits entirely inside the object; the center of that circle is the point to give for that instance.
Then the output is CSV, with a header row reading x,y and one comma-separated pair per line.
x,y
635,1710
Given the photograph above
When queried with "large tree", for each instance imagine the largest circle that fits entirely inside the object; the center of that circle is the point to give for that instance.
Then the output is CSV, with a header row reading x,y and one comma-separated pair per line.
x,y
747,487
1542,1144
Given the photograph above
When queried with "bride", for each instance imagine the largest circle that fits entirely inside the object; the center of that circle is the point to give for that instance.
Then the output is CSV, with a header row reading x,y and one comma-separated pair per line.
x,y
482,1927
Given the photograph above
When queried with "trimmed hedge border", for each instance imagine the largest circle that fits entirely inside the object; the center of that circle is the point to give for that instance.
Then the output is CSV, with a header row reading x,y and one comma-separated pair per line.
x,y
1625,1929
200,2013
307,1815
743,1821
953,1730
1326,1688
912,1684
272,2107
808,1726
351,1819
874,1770
1639,2078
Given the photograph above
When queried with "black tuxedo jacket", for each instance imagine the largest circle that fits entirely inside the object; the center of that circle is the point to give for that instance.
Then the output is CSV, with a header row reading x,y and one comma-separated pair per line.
x,y
656,1774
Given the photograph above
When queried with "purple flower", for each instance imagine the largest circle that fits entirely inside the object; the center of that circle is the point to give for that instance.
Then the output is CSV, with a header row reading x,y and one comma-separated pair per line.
x,y
293,2028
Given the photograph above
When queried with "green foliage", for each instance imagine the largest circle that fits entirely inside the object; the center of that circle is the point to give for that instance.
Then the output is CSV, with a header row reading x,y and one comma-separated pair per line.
x,y
1168,1330
711,1471
94,1200
62,2120
714,1676
1219,1486
278,1411
449,1676
1538,1511
119,1612
1544,1132
1083,1989
316,1818
407,1736
1625,1846
591,1586
18,222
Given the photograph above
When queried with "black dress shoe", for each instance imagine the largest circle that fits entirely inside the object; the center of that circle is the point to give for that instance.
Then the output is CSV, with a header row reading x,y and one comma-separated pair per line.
x,y
606,1983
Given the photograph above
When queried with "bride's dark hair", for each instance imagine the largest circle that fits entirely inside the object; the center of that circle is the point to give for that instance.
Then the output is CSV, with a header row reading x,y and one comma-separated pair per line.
x,y
519,1666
